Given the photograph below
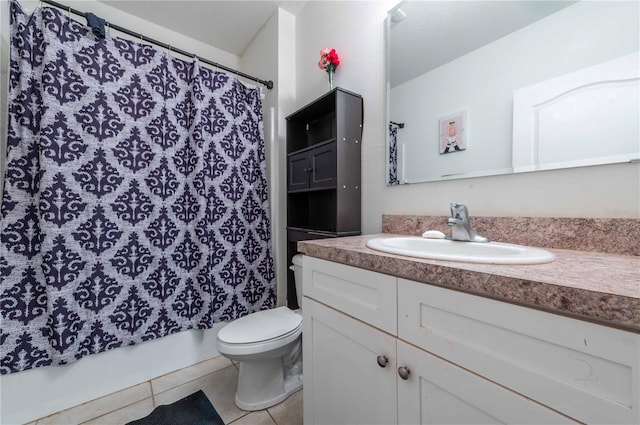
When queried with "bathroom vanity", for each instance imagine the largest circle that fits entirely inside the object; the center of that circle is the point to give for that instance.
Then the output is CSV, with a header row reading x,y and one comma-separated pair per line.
x,y
392,339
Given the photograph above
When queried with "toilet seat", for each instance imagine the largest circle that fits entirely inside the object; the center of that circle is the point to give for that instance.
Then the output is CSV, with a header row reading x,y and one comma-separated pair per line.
x,y
260,332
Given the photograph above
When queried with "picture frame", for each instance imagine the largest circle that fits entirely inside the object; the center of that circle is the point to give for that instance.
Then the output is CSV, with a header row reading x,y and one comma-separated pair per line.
x,y
453,133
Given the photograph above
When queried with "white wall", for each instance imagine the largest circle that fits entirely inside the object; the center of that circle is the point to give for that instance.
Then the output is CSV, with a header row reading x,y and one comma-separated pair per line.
x,y
31,394
356,30
483,83
276,40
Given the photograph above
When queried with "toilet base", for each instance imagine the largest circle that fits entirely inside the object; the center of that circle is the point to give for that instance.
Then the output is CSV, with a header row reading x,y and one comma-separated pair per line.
x,y
269,370
262,384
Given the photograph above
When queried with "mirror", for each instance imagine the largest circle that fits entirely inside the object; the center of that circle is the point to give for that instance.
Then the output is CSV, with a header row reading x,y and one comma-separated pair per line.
x,y
477,88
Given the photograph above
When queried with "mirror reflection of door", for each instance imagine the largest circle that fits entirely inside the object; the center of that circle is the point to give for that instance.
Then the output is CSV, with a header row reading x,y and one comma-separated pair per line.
x,y
445,57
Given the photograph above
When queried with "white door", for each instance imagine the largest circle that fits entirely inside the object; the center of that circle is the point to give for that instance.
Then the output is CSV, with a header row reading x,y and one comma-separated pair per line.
x,y
439,392
343,380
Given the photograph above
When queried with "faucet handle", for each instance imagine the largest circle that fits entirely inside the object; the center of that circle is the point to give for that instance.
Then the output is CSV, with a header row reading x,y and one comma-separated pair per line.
x,y
459,210
461,226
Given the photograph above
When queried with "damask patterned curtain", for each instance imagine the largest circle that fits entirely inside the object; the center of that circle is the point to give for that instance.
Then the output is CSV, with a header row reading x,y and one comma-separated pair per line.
x,y
393,154
135,201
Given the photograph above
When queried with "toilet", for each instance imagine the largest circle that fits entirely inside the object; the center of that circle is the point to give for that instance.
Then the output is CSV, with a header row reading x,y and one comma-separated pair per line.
x,y
268,346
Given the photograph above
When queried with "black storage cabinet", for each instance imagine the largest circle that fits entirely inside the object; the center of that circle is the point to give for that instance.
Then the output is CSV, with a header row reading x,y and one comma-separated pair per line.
x,y
324,139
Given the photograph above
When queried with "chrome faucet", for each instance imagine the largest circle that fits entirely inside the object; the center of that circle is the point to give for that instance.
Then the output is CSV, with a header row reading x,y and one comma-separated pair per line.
x,y
460,226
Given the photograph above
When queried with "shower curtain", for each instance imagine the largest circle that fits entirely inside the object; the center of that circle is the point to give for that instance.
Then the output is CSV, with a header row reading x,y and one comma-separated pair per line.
x,y
135,199
393,154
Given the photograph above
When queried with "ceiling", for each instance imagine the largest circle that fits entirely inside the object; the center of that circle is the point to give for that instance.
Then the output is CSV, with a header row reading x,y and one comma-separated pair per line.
x,y
229,25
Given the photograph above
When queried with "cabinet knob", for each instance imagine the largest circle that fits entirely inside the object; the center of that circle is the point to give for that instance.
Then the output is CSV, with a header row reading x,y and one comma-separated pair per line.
x,y
382,360
404,372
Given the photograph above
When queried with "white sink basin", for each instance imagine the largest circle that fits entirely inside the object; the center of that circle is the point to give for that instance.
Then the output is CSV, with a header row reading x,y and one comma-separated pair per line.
x,y
470,252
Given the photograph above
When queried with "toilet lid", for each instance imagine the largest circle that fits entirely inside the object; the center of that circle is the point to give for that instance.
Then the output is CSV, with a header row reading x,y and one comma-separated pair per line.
x,y
260,326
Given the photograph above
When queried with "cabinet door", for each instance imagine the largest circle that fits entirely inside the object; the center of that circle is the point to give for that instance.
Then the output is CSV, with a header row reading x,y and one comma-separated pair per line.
x,y
343,383
298,171
586,371
438,392
323,166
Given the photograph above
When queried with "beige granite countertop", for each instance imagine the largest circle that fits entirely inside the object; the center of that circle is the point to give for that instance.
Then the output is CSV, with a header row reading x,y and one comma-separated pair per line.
x,y
597,287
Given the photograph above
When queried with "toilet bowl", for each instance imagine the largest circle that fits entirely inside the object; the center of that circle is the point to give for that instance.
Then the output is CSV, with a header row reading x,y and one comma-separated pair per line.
x,y
268,348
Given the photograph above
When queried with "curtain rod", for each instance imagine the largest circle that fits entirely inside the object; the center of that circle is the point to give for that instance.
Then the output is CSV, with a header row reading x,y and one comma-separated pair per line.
x,y
399,124
268,84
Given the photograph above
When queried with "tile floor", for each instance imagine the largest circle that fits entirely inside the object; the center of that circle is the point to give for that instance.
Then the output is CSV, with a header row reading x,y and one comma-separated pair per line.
x,y
216,377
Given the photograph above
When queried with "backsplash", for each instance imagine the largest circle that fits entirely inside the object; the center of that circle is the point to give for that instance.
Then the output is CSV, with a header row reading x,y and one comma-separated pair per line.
x,y
608,235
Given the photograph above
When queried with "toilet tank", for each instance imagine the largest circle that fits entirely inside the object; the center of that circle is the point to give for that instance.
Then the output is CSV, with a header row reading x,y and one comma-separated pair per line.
x,y
297,275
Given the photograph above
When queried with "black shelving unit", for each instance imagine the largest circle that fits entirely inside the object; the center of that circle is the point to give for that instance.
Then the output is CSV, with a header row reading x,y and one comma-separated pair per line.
x,y
324,139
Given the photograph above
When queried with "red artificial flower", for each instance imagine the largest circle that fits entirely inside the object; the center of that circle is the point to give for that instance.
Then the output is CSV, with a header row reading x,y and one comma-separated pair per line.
x,y
329,59
333,58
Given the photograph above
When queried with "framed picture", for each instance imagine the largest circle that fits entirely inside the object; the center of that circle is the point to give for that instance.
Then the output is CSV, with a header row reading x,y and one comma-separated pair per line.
x,y
453,133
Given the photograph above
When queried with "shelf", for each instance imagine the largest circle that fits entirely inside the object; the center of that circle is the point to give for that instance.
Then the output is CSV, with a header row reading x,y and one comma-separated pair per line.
x,y
323,171
321,106
311,189
295,234
313,210
318,121
315,145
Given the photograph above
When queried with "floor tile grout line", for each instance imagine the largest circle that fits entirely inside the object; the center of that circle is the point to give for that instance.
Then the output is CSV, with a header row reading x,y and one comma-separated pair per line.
x,y
153,399
151,391
123,407
186,367
184,382
154,405
272,418
153,395
236,419
95,399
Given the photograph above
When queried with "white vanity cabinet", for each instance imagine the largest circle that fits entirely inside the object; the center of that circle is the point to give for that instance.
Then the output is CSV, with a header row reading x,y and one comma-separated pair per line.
x,y
343,382
470,359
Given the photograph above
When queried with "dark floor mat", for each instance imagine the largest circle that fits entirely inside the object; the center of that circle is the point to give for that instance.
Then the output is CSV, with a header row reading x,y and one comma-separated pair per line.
x,y
195,409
